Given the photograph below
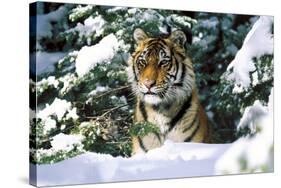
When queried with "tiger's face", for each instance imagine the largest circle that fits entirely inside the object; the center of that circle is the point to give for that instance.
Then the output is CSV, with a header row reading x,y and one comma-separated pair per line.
x,y
159,68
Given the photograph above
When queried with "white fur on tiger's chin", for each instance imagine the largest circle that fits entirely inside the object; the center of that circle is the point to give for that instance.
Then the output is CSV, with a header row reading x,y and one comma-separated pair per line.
x,y
152,99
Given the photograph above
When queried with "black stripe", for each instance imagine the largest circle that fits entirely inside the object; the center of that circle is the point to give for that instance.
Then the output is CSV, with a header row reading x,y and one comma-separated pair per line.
x,y
161,45
134,71
162,107
156,107
181,55
178,84
191,124
177,68
173,76
183,73
157,135
162,94
154,44
141,144
162,40
181,113
188,139
164,54
143,111
170,65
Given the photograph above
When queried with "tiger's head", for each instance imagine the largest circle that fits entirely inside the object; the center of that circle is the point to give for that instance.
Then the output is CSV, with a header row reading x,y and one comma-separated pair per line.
x,y
160,71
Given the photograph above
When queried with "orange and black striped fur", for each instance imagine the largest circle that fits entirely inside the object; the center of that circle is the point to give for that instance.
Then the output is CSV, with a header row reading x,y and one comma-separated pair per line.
x,y
163,79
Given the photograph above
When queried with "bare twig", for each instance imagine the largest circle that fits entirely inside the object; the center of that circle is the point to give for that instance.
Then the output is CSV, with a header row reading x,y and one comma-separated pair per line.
x,y
112,109
111,91
107,112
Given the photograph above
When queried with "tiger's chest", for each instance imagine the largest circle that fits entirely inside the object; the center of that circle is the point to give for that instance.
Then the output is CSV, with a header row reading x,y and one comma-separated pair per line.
x,y
160,120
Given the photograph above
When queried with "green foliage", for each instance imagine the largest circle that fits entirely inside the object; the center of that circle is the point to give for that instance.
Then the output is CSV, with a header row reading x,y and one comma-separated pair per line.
x,y
106,135
216,40
54,157
234,103
141,129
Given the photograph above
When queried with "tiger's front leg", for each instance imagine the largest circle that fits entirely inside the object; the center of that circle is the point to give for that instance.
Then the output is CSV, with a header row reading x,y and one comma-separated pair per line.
x,y
146,143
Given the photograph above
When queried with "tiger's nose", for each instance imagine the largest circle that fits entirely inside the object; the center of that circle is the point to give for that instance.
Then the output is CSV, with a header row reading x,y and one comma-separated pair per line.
x,y
149,83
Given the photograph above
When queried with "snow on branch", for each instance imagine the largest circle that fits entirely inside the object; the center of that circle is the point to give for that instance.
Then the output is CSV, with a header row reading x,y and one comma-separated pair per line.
x,y
258,42
89,56
251,153
252,115
44,25
65,142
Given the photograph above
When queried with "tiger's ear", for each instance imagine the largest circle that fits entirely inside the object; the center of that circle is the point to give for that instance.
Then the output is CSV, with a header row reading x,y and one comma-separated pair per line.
x,y
139,35
178,37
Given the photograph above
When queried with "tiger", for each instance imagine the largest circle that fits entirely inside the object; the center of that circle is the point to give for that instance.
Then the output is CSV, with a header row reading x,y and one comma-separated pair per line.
x,y
163,80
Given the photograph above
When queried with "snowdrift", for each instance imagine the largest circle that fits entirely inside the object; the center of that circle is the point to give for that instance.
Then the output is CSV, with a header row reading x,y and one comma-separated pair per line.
x,y
173,160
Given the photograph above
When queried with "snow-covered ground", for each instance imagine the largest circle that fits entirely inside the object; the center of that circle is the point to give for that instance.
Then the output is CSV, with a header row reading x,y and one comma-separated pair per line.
x,y
173,160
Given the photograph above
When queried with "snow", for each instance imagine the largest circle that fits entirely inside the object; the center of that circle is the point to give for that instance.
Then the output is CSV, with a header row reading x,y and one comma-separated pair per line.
x,y
210,23
116,9
65,142
43,22
91,25
142,16
98,89
72,114
50,81
252,115
44,61
79,11
173,160
183,20
68,81
132,11
49,124
59,107
89,56
151,15
258,42
257,150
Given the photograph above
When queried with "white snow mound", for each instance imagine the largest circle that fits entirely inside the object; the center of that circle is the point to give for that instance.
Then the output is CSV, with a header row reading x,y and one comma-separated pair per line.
x,y
173,160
